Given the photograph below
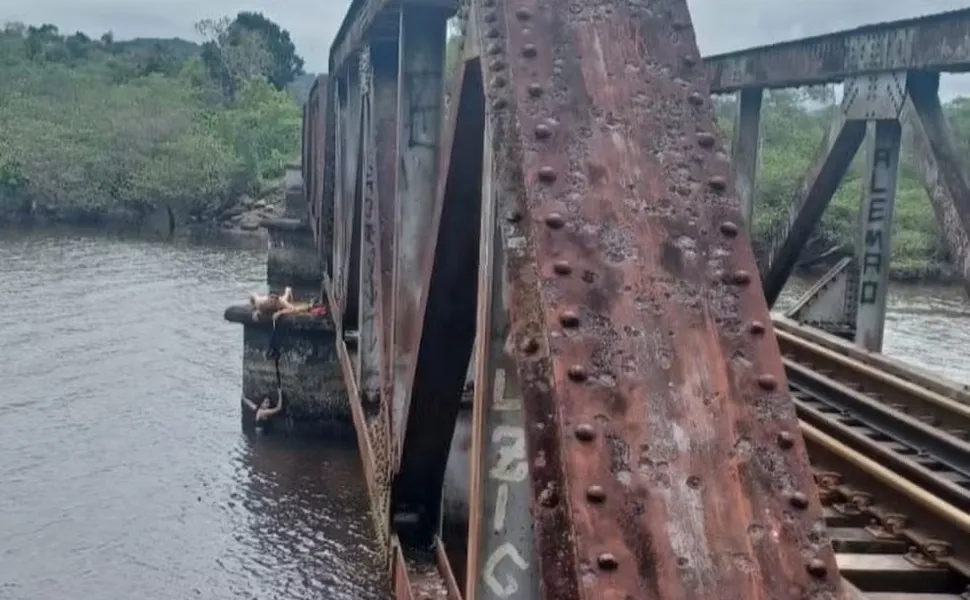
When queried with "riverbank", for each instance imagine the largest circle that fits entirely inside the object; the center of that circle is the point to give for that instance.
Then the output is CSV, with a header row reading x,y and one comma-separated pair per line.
x,y
242,217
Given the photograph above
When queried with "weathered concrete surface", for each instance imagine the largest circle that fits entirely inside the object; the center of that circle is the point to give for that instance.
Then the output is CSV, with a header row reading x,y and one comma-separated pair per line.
x,y
316,401
292,258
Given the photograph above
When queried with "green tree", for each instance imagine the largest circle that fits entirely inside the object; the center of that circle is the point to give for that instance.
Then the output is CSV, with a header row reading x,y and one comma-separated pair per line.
x,y
286,64
105,129
247,47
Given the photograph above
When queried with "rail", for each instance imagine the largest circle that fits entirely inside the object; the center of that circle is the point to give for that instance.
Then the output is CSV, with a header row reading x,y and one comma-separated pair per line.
x,y
893,539
893,468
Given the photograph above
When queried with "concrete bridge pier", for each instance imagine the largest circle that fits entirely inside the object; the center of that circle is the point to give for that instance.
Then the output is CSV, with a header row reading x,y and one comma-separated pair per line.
x,y
309,372
292,257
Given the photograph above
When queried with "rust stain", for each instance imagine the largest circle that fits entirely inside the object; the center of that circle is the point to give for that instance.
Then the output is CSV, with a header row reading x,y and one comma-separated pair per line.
x,y
654,397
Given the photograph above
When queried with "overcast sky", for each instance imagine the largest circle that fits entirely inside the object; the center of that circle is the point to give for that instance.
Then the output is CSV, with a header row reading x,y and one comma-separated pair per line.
x,y
722,25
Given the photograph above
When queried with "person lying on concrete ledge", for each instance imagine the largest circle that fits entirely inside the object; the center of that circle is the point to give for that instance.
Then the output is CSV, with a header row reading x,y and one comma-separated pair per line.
x,y
271,304
265,412
282,305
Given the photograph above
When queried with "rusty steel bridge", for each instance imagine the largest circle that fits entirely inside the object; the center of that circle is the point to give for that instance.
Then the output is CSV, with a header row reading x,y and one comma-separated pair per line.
x,y
557,346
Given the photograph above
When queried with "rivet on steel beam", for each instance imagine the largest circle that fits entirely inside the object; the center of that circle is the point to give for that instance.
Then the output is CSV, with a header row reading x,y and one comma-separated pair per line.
x,y
694,482
499,103
767,381
741,277
690,61
488,3
717,183
535,90
555,221
562,267
756,327
543,131
577,373
523,14
530,51
490,16
497,82
496,65
492,32
569,318
607,561
786,440
798,500
529,345
595,493
513,216
816,568
729,228
706,139
697,99
493,48
585,432
547,174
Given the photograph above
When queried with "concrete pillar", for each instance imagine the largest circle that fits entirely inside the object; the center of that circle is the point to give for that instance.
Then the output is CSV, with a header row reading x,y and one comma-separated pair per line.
x,y
294,200
292,258
875,243
310,375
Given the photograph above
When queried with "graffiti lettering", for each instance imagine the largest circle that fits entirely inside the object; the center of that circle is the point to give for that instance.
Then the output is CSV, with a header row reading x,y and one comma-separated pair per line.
x,y
511,465
875,248
511,586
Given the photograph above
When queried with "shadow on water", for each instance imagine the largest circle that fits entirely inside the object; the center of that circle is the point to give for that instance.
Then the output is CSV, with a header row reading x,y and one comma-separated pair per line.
x,y
124,471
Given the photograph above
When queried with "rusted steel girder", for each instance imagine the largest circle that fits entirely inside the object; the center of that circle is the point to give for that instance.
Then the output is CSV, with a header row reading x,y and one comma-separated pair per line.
x,y
934,132
446,317
941,197
420,116
832,160
939,42
370,20
664,455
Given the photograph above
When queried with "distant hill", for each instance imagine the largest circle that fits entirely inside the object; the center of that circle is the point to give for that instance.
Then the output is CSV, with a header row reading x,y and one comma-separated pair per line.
x,y
175,47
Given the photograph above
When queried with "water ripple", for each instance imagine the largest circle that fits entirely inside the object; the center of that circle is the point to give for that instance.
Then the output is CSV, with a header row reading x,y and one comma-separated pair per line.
x,y
124,471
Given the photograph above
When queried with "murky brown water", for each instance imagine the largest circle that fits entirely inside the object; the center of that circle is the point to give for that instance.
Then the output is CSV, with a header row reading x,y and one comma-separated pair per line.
x,y
928,326
123,471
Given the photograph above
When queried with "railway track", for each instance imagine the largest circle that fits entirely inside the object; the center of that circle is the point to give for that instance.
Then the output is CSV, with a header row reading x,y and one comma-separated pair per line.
x,y
892,462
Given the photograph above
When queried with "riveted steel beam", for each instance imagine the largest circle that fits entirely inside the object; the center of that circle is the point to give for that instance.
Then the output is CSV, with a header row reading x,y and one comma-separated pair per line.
x,y
664,456
939,42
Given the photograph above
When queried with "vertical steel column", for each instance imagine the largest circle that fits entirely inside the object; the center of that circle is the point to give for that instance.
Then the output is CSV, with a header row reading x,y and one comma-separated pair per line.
x,y
500,548
746,149
420,97
875,240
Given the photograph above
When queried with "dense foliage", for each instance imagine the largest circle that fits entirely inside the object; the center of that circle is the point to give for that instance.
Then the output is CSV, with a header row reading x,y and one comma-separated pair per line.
x,y
792,126
92,129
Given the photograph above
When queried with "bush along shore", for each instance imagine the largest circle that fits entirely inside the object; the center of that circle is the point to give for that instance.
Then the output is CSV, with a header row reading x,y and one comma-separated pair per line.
x,y
158,133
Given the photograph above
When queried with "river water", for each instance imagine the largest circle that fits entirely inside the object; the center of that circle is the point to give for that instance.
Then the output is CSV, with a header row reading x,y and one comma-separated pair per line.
x,y
123,471
124,474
